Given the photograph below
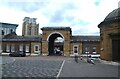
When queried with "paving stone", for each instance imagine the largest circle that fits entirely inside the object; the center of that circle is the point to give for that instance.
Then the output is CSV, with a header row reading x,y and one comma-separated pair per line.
x,y
31,68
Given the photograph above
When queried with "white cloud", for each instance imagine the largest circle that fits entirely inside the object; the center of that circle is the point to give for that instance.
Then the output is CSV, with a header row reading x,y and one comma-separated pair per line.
x,y
11,16
59,13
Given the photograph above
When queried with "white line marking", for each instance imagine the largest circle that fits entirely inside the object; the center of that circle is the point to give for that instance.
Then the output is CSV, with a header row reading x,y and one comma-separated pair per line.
x,y
60,69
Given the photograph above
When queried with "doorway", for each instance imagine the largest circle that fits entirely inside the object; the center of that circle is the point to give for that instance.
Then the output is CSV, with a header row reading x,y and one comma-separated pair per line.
x,y
55,44
115,50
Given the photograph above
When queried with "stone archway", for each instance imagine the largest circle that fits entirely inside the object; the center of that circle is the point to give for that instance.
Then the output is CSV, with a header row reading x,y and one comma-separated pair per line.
x,y
49,34
51,43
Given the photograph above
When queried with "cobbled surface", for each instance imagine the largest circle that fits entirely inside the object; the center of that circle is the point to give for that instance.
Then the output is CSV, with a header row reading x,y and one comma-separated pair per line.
x,y
31,68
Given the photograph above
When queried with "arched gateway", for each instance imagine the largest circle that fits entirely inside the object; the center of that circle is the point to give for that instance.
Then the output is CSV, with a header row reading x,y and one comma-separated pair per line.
x,y
49,44
55,48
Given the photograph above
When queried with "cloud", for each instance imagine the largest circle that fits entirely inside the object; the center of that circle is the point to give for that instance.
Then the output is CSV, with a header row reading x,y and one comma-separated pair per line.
x,y
88,29
83,16
12,16
97,2
57,17
59,12
28,7
81,22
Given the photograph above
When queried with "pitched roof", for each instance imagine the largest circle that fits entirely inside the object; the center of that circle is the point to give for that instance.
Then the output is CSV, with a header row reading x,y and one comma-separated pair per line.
x,y
8,25
85,39
13,37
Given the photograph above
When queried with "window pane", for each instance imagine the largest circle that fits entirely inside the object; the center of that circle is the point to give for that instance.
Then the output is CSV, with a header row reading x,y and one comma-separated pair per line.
x,y
94,49
75,49
27,48
8,48
2,32
21,48
86,50
36,48
13,48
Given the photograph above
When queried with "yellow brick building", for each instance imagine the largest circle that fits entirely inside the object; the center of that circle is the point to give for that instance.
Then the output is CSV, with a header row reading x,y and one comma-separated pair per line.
x,y
110,36
70,43
45,44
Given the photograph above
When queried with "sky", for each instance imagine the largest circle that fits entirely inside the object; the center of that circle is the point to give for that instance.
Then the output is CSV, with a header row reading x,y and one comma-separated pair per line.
x,y
83,16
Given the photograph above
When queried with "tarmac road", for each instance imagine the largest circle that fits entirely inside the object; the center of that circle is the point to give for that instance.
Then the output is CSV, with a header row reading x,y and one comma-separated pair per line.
x,y
82,69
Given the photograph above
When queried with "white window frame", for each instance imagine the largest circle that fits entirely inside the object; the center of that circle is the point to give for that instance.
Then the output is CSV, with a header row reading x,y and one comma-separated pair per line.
x,y
5,31
7,48
8,30
37,49
95,49
12,48
21,47
86,50
74,48
27,48
0,48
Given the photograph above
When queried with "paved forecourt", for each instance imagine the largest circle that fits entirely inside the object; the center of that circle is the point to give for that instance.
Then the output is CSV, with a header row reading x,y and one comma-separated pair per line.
x,y
32,67
57,67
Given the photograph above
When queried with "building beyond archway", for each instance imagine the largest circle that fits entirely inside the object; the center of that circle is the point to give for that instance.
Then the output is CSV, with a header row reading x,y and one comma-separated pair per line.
x,y
50,40
54,49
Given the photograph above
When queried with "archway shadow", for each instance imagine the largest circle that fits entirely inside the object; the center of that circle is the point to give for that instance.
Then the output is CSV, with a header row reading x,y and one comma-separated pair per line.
x,y
52,48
